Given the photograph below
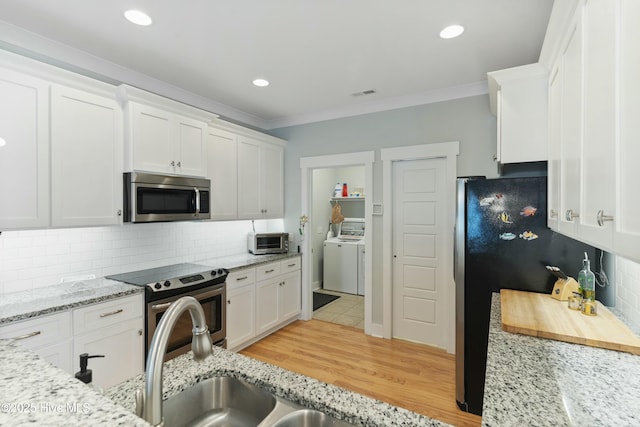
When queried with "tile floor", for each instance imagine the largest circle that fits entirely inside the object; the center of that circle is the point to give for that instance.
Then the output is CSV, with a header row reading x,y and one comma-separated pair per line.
x,y
347,310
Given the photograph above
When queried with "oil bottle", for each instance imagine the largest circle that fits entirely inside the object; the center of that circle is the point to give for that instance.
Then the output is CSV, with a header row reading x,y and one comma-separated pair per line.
x,y
587,281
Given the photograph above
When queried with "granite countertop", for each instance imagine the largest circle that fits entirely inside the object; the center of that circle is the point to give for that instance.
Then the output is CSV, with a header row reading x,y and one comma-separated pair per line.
x,y
183,372
34,392
244,260
31,303
50,299
540,382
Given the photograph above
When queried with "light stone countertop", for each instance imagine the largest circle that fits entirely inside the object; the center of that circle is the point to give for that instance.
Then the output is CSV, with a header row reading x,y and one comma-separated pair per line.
x,y
32,303
37,302
183,372
34,392
244,260
534,381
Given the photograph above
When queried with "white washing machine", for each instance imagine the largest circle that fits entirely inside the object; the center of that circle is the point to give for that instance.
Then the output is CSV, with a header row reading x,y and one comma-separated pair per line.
x,y
341,258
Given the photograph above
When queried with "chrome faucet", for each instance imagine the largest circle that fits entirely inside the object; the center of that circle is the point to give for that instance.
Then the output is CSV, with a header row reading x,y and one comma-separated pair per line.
x,y
149,402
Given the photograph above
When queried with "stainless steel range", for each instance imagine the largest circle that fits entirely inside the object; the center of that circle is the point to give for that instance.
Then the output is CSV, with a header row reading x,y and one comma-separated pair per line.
x,y
164,285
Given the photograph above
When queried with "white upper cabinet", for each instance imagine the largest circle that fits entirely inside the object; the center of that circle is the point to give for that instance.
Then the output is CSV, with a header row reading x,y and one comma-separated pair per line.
x,y
555,138
246,170
86,158
260,179
24,151
163,136
626,223
518,98
599,131
571,129
222,160
594,107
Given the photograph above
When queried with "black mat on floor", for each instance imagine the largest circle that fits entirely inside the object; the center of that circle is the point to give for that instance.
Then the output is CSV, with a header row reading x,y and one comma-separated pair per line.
x,y
320,300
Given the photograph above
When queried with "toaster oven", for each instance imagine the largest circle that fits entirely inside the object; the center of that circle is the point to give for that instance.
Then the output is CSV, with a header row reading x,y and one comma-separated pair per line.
x,y
268,243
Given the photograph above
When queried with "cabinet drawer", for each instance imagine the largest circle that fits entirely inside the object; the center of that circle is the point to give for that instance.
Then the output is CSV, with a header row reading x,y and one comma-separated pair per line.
x,y
266,271
40,331
241,278
98,316
290,264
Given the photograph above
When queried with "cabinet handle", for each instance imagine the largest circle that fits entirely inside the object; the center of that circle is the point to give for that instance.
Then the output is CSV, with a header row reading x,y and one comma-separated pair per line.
x,y
140,332
228,301
173,163
553,213
119,212
111,313
291,265
25,336
602,218
241,278
570,215
179,164
271,270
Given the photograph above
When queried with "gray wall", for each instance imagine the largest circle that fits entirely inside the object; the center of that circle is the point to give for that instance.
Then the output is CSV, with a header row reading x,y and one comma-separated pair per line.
x,y
467,120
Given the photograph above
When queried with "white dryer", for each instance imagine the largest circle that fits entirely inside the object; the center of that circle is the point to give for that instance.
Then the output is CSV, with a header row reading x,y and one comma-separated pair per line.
x,y
340,272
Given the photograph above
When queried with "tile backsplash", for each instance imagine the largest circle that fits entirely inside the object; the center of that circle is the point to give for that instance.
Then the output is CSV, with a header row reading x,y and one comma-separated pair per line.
x,y
35,258
627,280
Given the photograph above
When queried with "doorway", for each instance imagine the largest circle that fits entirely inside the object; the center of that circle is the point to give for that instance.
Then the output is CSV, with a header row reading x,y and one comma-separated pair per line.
x,y
338,270
319,177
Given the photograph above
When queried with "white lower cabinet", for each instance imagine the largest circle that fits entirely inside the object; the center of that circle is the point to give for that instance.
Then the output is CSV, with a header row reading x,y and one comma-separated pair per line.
x,y
49,336
267,295
122,345
241,315
262,299
114,329
289,297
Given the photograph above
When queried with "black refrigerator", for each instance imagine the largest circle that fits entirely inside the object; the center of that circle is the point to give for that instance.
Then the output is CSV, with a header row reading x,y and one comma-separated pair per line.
x,y
501,241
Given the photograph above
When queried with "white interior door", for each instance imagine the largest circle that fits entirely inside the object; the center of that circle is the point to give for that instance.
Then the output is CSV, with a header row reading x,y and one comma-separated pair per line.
x,y
418,235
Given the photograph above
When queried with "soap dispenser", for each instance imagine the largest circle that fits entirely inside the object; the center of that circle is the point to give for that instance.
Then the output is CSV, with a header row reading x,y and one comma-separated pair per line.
x,y
85,375
587,281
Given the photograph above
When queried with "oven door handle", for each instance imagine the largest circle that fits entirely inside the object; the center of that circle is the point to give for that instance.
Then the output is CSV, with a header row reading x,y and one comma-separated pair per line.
x,y
161,306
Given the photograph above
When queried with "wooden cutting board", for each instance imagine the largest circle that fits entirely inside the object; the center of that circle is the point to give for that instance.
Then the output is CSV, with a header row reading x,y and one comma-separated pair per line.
x,y
539,315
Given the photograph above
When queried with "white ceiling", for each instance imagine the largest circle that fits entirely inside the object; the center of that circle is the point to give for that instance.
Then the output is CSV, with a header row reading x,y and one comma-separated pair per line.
x,y
314,53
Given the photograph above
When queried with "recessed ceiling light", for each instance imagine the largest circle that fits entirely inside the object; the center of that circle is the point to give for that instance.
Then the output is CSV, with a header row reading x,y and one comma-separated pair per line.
x,y
137,17
451,31
2,142
261,82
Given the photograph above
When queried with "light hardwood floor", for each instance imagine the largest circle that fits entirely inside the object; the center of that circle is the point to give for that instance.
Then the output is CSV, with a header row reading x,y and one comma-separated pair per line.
x,y
413,376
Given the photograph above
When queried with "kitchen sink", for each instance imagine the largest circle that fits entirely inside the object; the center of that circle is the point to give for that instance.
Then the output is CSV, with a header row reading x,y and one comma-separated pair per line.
x,y
308,418
219,401
230,402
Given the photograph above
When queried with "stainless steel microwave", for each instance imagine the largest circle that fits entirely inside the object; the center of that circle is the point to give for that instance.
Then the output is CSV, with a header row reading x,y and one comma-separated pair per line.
x,y
268,243
159,198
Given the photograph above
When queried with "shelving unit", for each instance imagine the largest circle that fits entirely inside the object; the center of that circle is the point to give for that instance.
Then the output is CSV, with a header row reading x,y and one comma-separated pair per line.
x,y
350,199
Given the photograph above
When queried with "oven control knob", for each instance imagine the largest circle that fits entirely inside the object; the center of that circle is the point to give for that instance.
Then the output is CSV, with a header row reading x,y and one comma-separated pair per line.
x,y
220,271
213,273
167,283
157,286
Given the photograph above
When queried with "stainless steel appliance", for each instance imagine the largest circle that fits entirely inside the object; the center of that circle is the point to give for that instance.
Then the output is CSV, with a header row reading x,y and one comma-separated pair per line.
x,y
160,198
501,242
164,285
268,243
